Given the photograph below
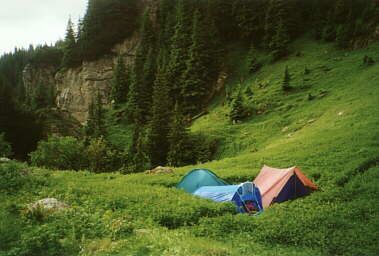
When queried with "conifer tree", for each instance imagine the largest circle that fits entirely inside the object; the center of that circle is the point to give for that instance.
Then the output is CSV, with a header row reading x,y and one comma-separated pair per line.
x,y
250,16
194,86
277,24
270,23
280,41
120,82
252,61
40,97
96,124
329,31
237,111
140,159
286,80
179,153
159,124
181,42
69,51
142,77
147,84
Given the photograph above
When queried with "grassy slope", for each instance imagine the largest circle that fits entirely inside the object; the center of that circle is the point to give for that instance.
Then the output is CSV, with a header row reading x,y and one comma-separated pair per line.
x,y
339,150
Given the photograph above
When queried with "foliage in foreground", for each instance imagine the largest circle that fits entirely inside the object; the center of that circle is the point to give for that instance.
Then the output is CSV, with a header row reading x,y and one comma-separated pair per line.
x,y
332,138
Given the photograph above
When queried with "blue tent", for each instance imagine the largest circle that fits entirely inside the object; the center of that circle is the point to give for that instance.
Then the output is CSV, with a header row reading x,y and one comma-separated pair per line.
x,y
239,194
198,178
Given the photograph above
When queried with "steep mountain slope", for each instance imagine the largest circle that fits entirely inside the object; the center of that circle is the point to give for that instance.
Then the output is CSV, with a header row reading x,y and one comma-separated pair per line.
x,y
327,125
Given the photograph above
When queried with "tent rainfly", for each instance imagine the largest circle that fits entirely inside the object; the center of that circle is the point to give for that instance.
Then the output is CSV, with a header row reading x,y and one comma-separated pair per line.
x,y
239,194
198,178
279,185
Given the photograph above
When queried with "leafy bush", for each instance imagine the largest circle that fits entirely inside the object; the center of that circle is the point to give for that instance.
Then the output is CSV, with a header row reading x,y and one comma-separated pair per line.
x,y
5,147
11,178
60,153
9,230
102,158
203,148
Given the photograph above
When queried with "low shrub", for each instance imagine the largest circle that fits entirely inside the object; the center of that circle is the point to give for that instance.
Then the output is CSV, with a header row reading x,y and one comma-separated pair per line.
x,y
5,147
102,157
203,148
60,153
11,177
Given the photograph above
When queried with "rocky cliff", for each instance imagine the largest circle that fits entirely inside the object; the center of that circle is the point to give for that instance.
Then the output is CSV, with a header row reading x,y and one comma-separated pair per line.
x,y
75,88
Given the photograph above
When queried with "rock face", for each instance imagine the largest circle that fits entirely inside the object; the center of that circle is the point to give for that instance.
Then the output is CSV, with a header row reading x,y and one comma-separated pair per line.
x,y
34,76
76,87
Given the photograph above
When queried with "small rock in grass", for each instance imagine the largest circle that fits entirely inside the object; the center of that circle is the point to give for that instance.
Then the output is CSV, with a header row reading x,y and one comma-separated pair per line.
x,y
48,204
160,170
4,160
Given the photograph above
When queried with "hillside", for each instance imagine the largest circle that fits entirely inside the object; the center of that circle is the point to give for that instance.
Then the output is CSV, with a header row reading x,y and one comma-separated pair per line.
x,y
327,124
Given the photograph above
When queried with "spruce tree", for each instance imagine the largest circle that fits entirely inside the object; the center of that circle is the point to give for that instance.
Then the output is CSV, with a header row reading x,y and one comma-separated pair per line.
x,y
237,111
278,23
69,51
280,41
159,124
250,17
180,152
270,23
286,80
96,120
194,86
147,84
120,82
140,159
41,97
142,76
252,61
181,42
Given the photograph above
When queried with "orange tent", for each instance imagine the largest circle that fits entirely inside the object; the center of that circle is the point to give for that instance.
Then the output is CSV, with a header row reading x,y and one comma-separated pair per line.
x,y
279,185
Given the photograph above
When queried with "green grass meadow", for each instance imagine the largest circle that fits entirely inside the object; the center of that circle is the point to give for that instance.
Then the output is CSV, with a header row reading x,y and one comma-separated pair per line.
x,y
328,125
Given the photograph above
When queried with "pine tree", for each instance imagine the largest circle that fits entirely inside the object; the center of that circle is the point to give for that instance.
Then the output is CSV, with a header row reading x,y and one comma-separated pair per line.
x,y
286,80
142,77
277,24
159,124
40,97
250,16
120,82
343,16
280,41
96,121
194,86
147,84
270,23
69,51
140,159
252,61
181,42
237,111
329,31
179,153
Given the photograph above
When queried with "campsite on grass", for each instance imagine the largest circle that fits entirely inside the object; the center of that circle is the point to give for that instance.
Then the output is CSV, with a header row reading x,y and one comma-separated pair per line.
x,y
270,186
189,128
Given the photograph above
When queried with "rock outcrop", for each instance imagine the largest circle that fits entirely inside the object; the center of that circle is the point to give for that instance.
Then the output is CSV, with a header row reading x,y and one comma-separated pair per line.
x,y
76,87
48,204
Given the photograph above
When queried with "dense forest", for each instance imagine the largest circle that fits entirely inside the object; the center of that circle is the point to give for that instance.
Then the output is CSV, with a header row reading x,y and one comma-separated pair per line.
x,y
167,87
178,61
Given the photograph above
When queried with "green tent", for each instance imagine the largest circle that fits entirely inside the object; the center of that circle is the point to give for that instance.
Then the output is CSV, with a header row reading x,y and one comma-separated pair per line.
x,y
198,178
